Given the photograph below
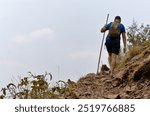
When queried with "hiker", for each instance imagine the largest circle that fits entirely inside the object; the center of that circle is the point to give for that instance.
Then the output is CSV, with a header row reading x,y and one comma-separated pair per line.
x,y
116,29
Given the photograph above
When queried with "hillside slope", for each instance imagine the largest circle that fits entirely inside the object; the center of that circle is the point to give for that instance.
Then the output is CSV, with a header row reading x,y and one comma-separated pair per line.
x,y
132,81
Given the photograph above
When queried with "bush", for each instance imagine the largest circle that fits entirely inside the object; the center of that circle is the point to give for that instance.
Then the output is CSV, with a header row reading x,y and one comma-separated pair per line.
x,y
38,87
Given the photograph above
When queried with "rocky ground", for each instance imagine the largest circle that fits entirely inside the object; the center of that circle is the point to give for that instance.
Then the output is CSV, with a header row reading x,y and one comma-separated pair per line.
x,y
130,82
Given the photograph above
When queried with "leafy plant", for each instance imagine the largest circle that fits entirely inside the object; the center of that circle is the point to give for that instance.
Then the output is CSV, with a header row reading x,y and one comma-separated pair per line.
x,y
38,87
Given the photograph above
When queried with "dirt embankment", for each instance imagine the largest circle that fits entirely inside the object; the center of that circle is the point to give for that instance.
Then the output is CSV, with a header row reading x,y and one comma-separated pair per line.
x,y
133,81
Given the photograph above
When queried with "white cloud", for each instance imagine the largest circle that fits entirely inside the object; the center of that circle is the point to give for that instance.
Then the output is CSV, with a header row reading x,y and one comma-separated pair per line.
x,y
45,33
80,55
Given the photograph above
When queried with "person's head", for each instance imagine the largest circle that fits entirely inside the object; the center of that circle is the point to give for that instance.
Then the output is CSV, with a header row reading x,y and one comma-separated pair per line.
x,y
117,19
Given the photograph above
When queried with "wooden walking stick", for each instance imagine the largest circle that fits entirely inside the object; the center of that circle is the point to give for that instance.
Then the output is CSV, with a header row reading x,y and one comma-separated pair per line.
x,y
101,48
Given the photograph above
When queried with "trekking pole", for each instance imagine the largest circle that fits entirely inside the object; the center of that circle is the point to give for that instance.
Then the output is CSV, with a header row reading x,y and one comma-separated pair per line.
x,y
101,47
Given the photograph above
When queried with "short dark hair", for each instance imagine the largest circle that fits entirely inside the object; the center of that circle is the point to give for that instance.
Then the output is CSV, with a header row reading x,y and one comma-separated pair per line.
x,y
118,17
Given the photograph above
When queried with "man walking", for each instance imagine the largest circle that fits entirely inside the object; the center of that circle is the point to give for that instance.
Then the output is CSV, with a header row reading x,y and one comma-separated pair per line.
x,y
116,29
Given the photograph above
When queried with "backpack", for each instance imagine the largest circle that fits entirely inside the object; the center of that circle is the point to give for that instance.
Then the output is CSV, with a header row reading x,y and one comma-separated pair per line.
x,y
114,30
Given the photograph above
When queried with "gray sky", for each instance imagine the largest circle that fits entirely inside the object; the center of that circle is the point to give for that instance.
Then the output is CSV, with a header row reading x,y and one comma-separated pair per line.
x,y
58,36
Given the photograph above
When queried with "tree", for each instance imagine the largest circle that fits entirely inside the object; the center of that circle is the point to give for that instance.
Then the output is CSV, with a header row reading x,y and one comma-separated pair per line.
x,y
138,34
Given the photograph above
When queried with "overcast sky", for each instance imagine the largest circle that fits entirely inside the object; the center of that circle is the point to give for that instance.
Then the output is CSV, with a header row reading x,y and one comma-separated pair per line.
x,y
58,36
